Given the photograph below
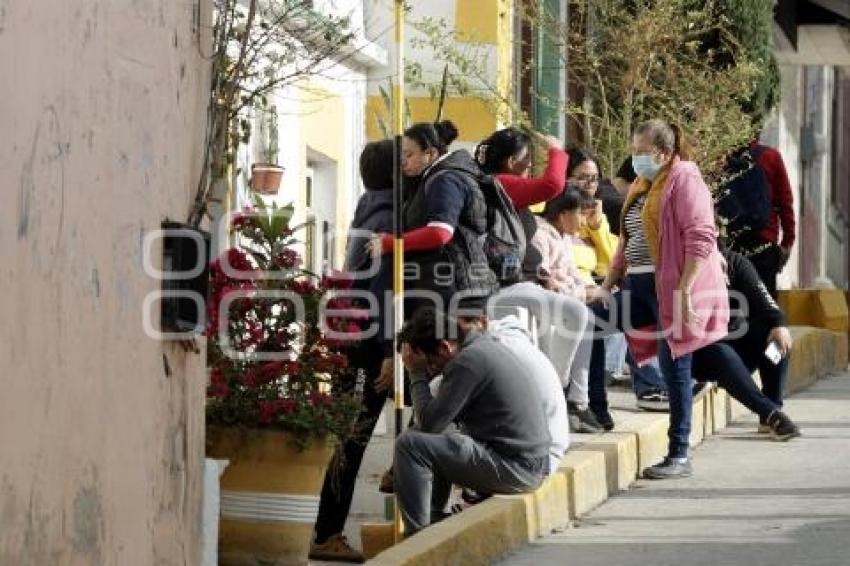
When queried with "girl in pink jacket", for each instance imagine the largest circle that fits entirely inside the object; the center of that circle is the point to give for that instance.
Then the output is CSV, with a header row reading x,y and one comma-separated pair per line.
x,y
561,217
670,275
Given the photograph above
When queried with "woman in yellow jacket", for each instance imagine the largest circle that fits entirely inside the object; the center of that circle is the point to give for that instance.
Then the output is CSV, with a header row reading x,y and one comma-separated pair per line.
x,y
594,245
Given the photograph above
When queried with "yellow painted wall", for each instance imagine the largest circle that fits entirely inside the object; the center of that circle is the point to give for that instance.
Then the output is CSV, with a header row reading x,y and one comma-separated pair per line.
x,y
477,20
474,117
505,52
322,125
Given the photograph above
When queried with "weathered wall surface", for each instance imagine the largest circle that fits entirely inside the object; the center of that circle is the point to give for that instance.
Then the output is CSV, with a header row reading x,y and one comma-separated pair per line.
x,y
101,427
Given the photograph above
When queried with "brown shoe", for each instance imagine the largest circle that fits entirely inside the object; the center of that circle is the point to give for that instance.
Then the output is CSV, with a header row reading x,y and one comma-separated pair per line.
x,y
335,549
387,483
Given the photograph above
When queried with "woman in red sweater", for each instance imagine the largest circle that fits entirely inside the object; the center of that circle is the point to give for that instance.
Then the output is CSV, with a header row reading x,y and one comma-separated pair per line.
x,y
563,320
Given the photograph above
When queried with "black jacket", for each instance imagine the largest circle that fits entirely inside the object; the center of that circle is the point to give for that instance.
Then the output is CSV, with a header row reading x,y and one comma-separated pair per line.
x,y
465,251
761,308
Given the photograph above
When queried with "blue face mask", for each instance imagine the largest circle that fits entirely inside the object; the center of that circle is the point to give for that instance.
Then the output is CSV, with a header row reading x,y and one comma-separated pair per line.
x,y
645,166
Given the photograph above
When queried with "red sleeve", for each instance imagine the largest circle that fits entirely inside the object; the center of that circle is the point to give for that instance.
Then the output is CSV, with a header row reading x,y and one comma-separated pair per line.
x,y
527,191
425,238
781,195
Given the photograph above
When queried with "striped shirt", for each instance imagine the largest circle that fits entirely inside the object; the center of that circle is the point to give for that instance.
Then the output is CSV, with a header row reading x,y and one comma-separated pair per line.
x,y
637,249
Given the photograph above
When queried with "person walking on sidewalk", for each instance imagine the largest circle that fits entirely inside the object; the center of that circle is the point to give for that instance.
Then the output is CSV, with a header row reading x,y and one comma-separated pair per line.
x,y
731,362
671,274
504,444
564,320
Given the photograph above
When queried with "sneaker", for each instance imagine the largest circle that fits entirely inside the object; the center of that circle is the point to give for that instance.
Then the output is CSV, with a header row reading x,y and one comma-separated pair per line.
x,y
604,418
582,420
782,428
387,484
669,468
654,400
617,379
335,549
472,497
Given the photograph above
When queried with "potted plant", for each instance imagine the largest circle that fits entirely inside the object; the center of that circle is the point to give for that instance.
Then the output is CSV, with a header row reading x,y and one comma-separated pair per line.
x,y
278,397
267,175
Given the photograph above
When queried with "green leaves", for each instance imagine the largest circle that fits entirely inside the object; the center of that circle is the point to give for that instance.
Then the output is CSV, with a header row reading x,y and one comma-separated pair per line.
x,y
274,220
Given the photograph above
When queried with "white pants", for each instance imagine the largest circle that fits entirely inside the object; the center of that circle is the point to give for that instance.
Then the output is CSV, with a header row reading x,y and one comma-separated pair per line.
x,y
565,330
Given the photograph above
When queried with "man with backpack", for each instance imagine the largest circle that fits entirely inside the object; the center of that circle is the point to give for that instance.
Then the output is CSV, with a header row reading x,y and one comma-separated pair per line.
x,y
757,201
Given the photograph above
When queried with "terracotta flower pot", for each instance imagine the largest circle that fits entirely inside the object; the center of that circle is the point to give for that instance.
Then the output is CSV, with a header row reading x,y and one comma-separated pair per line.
x,y
269,495
266,178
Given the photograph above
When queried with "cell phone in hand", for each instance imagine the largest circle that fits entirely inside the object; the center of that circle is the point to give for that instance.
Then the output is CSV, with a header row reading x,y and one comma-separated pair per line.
x,y
773,353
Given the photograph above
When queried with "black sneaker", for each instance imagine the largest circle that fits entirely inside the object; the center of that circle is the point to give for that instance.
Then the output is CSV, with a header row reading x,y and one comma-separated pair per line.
x,y
604,418
582,420
782,428
668,469
654,400
472,497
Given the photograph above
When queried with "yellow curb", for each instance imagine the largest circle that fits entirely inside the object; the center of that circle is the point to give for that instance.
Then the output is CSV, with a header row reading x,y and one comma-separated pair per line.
x,y
698,421
820,308
587,485
479,535
547,508
650,429
719,407
621,458
815,353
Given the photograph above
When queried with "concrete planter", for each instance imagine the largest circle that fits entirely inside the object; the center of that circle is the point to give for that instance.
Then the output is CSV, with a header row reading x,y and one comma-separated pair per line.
x,y
266,178
269,495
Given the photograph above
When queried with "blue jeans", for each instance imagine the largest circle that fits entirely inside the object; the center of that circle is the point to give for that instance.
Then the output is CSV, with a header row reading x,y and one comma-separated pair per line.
x,y
641,309
615,353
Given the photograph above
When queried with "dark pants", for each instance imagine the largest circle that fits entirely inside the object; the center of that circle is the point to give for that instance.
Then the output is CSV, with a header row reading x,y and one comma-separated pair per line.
x,y
768,264
634,307
341,476
751,348
721,363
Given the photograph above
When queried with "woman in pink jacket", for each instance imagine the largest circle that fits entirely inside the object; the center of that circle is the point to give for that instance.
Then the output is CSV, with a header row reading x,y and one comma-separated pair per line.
x,y
670,273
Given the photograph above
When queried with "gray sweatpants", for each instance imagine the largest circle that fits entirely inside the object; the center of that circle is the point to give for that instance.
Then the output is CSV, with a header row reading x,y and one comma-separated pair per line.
x,y
426,465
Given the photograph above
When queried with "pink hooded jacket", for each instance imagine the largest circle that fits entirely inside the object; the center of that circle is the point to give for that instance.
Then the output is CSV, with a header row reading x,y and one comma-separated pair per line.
x,y
686,229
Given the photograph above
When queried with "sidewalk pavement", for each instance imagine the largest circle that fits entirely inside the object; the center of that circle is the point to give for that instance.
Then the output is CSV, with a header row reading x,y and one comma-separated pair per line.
x,y
751,501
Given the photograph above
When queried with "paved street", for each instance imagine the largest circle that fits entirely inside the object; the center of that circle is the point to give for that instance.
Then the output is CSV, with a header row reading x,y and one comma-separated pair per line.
x,y
751,501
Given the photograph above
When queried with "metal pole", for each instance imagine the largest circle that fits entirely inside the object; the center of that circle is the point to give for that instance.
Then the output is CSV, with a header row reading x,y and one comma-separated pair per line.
x,y
398,230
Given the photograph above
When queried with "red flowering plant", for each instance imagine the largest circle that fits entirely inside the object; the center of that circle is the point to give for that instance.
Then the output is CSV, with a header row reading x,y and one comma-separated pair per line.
x,y
277,357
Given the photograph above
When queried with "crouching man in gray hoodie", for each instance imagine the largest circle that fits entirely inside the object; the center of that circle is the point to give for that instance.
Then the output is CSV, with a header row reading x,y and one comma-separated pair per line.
x,y
505,444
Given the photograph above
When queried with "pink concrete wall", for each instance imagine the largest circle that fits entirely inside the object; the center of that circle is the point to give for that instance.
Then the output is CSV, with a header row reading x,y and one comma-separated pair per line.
x,y
101,447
